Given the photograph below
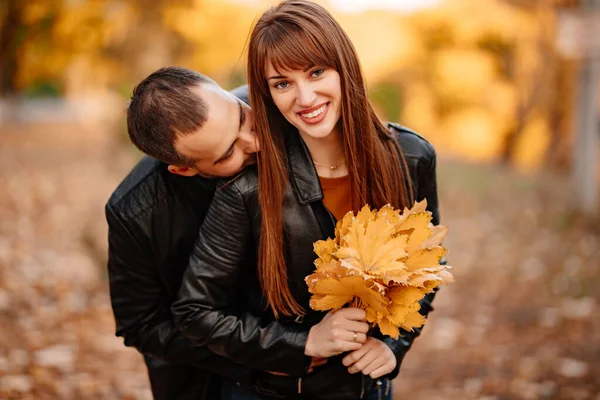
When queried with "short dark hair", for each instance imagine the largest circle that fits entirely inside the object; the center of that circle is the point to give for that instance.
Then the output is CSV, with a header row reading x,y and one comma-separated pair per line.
x,y
163,107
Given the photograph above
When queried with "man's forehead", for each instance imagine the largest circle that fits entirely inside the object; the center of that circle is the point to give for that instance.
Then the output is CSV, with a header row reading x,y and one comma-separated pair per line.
x,y
221,123
223,109
210,92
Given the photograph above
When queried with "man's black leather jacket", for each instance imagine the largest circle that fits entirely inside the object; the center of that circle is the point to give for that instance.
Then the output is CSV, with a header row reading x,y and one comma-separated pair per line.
x,y
221,304
154,218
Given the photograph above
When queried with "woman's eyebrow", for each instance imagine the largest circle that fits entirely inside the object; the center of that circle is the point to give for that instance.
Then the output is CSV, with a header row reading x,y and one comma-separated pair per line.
x,y
277,77
283,76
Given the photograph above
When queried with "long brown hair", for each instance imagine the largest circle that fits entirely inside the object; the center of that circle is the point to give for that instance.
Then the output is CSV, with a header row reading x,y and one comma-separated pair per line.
x,y
293,35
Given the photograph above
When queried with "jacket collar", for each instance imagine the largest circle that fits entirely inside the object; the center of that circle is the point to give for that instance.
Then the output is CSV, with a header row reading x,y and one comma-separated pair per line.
x,y
302,173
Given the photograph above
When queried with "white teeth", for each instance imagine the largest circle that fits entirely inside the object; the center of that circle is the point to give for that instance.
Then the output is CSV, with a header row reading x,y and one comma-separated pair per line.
x,y
318,111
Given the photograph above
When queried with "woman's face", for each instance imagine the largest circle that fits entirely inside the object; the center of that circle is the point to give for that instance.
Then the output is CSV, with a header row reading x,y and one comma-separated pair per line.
x,y
310,99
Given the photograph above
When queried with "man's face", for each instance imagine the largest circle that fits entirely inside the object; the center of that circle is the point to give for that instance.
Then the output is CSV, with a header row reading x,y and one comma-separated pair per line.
x,y
226,143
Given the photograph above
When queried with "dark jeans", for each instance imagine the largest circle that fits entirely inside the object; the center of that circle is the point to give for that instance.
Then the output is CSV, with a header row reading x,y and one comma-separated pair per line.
x,y
231,391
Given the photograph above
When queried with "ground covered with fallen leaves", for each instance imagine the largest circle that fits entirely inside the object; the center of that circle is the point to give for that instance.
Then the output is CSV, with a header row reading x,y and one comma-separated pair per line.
x,y
522,320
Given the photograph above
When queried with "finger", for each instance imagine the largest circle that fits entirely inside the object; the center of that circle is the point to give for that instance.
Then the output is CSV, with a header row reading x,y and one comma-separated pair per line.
x,y
356,355
351,336
364,362
381,371
375,364
354,326
344,346
352,313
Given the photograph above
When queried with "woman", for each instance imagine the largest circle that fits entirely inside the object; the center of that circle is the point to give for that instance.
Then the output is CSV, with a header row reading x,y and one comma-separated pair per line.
x,y
324,152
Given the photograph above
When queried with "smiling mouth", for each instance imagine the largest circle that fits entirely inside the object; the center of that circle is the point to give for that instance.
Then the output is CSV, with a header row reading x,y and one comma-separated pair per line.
x,y
315,115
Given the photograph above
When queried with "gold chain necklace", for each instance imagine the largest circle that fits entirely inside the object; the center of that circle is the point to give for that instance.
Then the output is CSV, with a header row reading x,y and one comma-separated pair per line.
x,y
332,167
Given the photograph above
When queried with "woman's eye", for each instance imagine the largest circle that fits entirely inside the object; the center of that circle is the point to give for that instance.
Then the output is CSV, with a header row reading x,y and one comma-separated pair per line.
x,y
317,72
281,85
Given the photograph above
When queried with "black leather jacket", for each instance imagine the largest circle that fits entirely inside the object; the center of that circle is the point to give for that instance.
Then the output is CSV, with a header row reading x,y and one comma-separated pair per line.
x,y
220,302
154,218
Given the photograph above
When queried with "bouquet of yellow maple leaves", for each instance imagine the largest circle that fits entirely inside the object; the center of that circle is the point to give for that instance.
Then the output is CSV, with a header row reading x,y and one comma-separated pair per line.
x,y
382,261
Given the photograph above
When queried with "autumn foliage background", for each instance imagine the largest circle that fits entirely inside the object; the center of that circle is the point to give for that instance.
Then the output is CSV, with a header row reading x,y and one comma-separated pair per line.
x,y
481,79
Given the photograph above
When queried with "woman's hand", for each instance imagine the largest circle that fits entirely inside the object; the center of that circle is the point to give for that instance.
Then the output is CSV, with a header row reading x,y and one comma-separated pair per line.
x,y
340,331
374,358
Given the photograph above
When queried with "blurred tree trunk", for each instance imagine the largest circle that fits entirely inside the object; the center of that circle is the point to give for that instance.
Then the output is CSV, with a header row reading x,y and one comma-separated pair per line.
x,y
558,155
511,139
535,94
585,146
150,44
9,43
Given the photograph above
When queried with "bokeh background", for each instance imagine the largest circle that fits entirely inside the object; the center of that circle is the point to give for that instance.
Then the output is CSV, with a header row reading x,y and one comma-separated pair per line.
x,y
505,90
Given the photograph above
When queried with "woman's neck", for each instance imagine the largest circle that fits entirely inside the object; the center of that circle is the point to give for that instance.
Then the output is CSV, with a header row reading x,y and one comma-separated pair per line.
x,y
328,154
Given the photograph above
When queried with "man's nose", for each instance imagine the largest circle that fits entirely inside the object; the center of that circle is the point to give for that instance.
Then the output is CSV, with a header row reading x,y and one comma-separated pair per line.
x,y
305,95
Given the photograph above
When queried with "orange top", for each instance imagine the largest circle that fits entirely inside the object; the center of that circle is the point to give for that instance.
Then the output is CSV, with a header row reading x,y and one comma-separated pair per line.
x,y
337,195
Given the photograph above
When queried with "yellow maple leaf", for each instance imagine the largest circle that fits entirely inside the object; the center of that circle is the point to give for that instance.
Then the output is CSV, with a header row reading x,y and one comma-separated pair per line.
x,y
420,259
392,215
413,320
324,302
383,262
342,226
372,315
325,249
404,307
405,300
374,249
389,328
331,269
404,295
438,233
446,276
334,293
365,215
416,226
418,207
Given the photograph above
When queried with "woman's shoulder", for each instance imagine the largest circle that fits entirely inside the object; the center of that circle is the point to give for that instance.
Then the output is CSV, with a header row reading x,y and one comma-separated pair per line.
x,y
243,184
412,144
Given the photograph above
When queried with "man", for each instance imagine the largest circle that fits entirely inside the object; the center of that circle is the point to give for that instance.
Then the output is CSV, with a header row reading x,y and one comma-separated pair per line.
x,y
198,131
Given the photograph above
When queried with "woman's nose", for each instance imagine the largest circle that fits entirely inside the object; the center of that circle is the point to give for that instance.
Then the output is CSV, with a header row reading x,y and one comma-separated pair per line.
x,y
305,96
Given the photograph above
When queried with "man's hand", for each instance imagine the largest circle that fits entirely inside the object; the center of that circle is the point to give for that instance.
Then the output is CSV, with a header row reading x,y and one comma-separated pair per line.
x,y
374,358
340,331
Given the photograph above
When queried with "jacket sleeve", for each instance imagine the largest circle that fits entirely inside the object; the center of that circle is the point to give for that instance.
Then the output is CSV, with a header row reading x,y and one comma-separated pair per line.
x,y
140,305
207,311
242,93
426,189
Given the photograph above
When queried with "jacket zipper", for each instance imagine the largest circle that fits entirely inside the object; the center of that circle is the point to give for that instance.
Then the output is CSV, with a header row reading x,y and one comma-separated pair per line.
x,y
299,385
362,387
